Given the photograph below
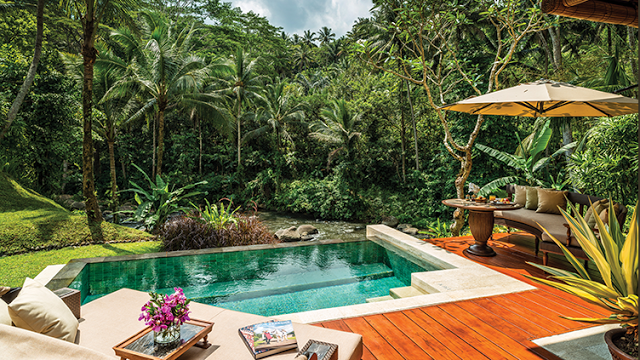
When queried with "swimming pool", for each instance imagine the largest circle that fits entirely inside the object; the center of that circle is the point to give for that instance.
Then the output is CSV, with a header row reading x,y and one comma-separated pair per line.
x,y
266,281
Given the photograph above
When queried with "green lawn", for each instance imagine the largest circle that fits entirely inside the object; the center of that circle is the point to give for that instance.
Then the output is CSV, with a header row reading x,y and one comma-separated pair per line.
x,y
30,222
14,269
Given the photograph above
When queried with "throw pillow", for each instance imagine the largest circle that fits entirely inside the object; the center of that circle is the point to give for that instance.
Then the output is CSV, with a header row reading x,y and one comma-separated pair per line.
x,y
5,319
596,209
520,196
532,198
549,200
38,309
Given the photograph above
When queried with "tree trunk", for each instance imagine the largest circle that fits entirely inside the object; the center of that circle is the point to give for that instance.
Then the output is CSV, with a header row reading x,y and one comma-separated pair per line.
x,y
239,134
200,146
554,34
153,157
24,89
160,139
567,138
548,58
631,38
89,54
65,169
413,121
114,184
402,133
461,179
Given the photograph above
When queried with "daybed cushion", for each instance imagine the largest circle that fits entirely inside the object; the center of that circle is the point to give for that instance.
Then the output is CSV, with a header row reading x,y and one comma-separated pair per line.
x,y
5,319
532,198
38,309
119,313
21,344
520,196
549,200
552,222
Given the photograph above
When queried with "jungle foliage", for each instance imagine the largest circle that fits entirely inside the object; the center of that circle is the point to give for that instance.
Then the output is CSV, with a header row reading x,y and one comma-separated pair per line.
x,y
301,122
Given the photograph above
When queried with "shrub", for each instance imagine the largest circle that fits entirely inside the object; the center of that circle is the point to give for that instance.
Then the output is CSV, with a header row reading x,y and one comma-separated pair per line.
x,y
186,233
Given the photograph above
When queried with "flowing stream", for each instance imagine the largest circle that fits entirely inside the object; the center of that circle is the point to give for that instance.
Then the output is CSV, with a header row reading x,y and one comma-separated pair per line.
x,y
326,229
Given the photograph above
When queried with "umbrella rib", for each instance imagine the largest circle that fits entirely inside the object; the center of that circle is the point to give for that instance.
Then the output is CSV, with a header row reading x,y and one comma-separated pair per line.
x,y
480,109
597,109
528,106
557,105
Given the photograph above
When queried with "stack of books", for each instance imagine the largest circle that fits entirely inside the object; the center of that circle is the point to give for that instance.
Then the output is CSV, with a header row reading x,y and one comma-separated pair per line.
x,y
269,338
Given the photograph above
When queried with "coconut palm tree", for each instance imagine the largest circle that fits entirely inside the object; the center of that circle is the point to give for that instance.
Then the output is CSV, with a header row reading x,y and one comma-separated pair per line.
x,y
279,109
92,13
308,38
326,36
164,72
242,83
338,127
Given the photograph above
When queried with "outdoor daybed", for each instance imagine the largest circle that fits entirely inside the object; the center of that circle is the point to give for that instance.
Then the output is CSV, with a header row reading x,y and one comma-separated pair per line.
x,y
529,220
111,319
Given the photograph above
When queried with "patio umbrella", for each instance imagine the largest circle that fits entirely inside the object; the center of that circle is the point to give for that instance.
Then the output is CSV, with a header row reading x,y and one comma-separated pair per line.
x,y
547,98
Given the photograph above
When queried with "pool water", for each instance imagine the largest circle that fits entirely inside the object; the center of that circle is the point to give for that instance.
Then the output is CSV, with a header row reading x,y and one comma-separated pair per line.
x,y
264,282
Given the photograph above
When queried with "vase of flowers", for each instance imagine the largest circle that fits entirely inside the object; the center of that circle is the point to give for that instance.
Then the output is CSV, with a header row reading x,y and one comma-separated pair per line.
x,y
165,314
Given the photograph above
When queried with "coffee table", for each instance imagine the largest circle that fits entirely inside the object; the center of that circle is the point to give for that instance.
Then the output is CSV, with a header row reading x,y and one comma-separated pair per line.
x,y
480,222
141,346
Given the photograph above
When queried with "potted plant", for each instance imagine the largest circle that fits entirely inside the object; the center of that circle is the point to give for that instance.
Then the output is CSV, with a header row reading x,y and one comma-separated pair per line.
x,y
616,258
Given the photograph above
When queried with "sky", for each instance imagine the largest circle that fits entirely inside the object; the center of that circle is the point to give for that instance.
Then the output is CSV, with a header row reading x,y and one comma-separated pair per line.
x,y
296,16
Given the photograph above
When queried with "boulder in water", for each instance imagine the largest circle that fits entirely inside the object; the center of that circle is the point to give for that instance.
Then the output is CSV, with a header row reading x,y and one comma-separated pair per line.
x,y
307,230
288,235
390,221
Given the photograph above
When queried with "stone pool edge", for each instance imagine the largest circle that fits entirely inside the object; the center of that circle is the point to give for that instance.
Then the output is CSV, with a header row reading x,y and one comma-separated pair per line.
x,y
460,279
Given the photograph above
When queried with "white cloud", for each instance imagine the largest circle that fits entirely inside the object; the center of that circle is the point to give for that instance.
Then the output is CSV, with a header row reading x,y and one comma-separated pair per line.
x,y
296,16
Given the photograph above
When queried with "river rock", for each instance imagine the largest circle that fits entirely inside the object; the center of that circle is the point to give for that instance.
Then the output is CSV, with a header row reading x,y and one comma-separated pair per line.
x,y
403,226
77,205
307,230
288,235
390,221
410,231
306,237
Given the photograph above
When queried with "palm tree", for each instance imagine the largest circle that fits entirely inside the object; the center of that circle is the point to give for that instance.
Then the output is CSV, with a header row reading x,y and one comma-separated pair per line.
x,y
243,83
31,74
326,36
91,14
303,56
165,73
338,127
279,110
308,38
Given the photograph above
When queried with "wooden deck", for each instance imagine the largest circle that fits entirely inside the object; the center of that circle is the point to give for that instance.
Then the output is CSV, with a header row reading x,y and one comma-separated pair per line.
x,y
498,327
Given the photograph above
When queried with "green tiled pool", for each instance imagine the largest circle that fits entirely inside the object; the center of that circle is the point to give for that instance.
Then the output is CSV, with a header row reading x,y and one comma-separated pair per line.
x,y
265,282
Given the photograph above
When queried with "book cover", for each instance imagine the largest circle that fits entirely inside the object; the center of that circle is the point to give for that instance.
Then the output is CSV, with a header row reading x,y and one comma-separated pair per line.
x,y
269,338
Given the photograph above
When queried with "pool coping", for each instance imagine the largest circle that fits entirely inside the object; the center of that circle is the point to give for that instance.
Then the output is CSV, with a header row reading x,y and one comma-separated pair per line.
x,y
460,278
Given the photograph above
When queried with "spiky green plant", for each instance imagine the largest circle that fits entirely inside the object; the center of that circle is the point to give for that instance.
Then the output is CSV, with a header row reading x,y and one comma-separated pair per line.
x,y
616,258
214,217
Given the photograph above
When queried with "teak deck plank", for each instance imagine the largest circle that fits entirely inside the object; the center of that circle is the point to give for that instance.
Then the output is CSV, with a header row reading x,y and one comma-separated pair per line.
x,y
422,338
401,342
497,327
445,336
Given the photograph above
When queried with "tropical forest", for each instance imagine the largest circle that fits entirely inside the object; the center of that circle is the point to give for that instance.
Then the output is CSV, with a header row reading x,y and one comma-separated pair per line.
x,y
133,110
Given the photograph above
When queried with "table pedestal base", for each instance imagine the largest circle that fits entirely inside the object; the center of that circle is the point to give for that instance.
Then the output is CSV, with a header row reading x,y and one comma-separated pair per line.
x,y
481,225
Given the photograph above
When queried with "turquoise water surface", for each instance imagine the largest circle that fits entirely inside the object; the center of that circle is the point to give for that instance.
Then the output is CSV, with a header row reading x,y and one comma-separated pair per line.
x,y
265,282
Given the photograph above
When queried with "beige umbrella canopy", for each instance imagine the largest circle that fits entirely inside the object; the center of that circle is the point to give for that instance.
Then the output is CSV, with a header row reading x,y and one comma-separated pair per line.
x,y
547,98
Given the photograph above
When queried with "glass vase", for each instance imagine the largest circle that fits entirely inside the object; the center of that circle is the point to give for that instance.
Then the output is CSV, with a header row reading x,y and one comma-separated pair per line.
x,y
167,336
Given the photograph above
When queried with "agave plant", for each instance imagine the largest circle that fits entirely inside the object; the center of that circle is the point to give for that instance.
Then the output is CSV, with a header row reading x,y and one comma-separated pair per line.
x,y
616,258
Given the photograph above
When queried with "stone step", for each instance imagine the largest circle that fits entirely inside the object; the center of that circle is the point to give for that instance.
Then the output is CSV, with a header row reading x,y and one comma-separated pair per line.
x,y
379,298
405,292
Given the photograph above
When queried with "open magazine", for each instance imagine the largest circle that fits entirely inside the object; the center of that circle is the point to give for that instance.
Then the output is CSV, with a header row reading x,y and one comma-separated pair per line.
x,y
269,338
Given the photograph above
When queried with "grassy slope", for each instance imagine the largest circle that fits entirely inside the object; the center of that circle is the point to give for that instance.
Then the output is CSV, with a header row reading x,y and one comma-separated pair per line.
x,y
29,222
14,269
